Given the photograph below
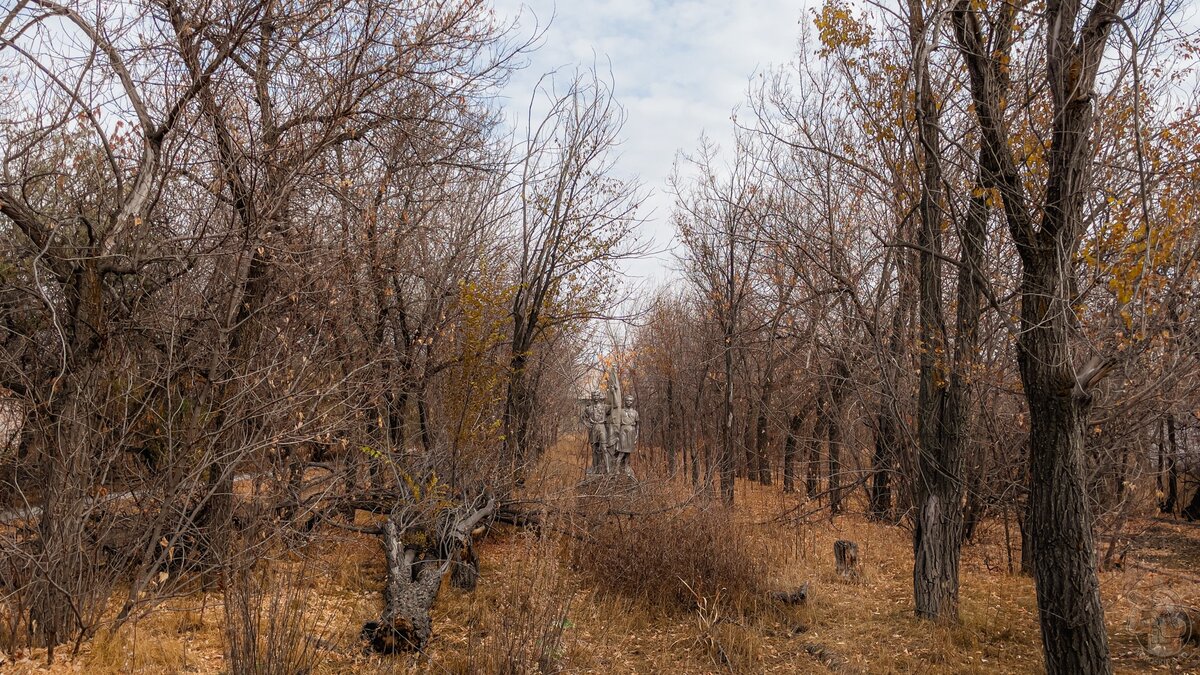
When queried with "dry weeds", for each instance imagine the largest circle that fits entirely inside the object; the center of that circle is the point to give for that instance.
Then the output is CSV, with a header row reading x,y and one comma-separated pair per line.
x,y
533,612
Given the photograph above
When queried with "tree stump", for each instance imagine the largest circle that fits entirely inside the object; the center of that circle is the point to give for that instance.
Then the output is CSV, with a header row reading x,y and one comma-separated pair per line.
x,y
465,574
845,554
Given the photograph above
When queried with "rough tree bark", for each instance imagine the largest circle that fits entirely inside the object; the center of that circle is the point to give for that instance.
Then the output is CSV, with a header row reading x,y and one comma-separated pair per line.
x,y
945,385
413,583
1074,639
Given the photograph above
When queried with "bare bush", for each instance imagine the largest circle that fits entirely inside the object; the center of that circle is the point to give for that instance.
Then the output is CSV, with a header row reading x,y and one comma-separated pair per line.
x,y
529,637
669,557
270,625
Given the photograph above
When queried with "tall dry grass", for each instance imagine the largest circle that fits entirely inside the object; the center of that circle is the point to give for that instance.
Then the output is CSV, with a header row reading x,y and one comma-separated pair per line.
x,y
271,627
526,629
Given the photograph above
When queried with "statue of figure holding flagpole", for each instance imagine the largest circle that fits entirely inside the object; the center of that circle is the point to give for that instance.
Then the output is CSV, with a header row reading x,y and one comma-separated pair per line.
x,y
612,425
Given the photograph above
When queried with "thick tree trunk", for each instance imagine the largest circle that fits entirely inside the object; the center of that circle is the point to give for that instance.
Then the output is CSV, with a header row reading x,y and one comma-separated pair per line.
x,y
944,389
1026,525
408,597
1064,556
1074,639
518,414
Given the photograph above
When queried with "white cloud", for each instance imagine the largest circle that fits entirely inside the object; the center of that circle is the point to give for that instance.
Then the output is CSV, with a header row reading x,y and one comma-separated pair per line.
x,y
680,68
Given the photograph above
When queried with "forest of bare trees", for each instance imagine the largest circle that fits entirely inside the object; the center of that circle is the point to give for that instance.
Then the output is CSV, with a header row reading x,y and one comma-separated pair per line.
x,y
274,270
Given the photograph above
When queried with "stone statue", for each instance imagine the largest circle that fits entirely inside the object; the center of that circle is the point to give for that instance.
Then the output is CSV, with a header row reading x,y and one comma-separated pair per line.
x,y
595,420
627,436
612,426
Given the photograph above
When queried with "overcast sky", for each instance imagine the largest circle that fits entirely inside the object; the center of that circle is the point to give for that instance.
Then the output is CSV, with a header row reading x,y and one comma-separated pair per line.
x,y
679,69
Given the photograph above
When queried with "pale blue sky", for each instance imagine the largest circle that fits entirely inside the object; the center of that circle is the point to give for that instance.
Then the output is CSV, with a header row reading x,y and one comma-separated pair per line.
x,y
679,67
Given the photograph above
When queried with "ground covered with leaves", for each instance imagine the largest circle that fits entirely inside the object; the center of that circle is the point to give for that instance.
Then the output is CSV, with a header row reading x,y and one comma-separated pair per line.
x,y
657,579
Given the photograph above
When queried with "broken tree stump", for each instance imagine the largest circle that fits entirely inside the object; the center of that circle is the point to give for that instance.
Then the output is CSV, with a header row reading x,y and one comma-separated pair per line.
x,y
845,554
465,573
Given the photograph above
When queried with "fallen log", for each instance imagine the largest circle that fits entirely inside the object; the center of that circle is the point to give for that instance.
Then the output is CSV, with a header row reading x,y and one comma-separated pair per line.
x,y
414,579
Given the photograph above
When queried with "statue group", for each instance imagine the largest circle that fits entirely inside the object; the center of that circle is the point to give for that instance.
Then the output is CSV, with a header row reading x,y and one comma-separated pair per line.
x,y
612,429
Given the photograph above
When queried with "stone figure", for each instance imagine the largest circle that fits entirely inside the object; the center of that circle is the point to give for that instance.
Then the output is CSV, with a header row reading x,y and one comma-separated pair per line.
x,y
595,420
627,436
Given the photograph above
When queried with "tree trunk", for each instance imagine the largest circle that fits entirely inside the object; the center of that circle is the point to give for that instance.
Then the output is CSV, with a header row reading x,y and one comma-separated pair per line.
x,y
790,452
670,441
408,597
837,398
1026,525
1172,472
879,497
727,466
412,585
944,388
1064,555
1074,639
835,466
518,413
845,556
761,457
812,469
888,430
761,450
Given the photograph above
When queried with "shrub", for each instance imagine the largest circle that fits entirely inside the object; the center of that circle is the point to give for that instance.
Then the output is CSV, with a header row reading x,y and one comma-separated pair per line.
x,y
669,557
270,626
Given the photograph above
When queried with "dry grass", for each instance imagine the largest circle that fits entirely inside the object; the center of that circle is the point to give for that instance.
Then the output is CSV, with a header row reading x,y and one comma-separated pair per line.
x,y
537,609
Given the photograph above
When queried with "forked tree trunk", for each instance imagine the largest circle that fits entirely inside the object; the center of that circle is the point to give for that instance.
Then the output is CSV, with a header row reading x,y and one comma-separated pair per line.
x,y
408,597
1074,639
